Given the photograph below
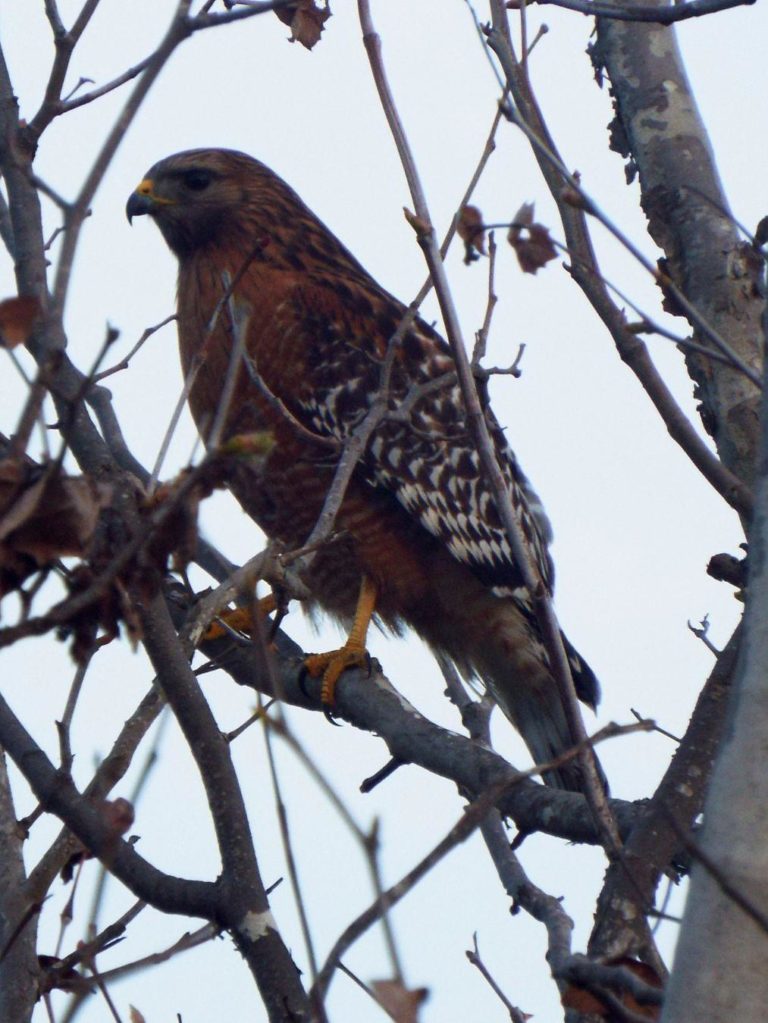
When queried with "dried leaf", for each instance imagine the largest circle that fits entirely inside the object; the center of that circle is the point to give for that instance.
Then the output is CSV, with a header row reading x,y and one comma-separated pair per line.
x,y
44,515
585,1002
105,613
118,815
531,241
397,1001
17,317
176,535
524,216
582,1001
135,1016
469,228
306,20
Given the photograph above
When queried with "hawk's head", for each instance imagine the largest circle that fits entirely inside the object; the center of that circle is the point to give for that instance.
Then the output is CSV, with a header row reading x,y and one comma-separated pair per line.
x,y
200,195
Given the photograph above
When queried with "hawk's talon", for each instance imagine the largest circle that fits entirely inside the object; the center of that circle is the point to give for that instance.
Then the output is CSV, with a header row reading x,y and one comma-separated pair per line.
x,y
332,665
280,616
240,620
303,680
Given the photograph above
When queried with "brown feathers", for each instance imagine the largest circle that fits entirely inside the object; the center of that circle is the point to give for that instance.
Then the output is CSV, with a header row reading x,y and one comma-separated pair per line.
x,y
258,269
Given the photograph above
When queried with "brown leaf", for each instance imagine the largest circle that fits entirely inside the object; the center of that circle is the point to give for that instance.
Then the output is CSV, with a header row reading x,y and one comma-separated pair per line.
x,y
531,241
44,515
585,1002
469,228
397,1001
524,216
306,20
17,317
582,1001
110,607
135,1016
176,535
118,815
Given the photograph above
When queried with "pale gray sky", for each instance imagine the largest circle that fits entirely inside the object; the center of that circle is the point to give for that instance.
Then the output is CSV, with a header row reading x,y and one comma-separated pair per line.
x,y
634,522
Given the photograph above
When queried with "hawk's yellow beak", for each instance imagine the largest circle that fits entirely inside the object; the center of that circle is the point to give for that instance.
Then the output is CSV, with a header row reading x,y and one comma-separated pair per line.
x,y
144,200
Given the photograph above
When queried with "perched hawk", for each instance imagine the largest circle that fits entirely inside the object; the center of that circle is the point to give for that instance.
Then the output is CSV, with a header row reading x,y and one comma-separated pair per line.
x,y
419,540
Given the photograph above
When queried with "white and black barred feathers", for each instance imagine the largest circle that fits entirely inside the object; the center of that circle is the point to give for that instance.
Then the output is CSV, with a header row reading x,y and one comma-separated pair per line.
x,y
425,457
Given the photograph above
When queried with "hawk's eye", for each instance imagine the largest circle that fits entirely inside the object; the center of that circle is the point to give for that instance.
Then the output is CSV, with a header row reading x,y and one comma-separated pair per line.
x,y
197,179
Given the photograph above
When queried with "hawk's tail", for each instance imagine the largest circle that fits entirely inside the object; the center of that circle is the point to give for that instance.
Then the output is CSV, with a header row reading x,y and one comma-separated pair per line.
x,y
528,695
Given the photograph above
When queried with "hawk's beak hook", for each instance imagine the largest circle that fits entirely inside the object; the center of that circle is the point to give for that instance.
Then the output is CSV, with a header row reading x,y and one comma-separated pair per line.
x,y
142,201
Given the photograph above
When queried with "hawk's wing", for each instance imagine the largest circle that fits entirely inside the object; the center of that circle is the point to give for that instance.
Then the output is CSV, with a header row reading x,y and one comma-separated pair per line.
x,y
427,460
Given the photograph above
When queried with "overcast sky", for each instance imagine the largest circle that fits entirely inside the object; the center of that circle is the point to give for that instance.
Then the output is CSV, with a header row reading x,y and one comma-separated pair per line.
x,y
634,523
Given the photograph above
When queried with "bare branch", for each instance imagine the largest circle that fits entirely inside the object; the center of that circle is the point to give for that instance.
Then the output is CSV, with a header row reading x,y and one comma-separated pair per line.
x,y
662,15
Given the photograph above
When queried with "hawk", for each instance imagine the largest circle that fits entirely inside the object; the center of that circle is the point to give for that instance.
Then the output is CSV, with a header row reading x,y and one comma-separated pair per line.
x,y
419,541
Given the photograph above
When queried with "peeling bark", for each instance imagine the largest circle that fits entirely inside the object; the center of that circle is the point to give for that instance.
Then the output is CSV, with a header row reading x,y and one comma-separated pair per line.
x,y
659,128
720,971
18,968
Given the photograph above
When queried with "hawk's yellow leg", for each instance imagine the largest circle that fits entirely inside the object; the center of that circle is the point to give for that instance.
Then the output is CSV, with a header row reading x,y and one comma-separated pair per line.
x,y
241,619
353,653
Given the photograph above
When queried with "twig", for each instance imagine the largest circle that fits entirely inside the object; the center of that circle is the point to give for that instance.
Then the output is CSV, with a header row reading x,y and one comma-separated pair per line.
x,y
67,103
701,631
104,992
279,406
227,294
103,940
63,726
473,955
481,337
360,983
656,727
458,833
239,318
125,361
285,836
368,842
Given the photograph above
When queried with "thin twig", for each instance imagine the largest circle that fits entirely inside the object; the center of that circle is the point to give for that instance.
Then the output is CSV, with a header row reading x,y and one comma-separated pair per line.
x,y
481,337
473,955
125,361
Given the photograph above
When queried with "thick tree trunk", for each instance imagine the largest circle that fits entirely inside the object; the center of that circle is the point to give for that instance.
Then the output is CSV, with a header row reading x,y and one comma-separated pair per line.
x,y
658,127
721,970
18,960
